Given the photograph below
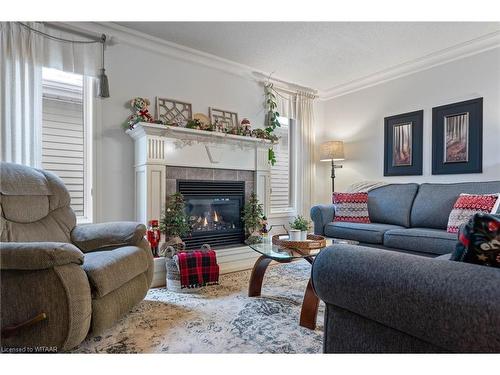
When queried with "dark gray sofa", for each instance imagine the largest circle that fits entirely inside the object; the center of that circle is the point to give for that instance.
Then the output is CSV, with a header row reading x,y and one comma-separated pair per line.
x,y
380,301
405,217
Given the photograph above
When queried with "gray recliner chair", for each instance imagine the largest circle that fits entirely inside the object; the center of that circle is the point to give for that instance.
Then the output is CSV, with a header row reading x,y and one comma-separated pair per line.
x,y
59,280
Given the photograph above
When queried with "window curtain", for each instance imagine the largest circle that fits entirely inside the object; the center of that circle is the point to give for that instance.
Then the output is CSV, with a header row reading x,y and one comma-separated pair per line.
x,y
304,114
20,94
24,53
299,106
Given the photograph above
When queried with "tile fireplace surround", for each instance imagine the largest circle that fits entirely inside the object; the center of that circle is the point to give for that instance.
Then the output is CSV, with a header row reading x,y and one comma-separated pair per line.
x,y
165,154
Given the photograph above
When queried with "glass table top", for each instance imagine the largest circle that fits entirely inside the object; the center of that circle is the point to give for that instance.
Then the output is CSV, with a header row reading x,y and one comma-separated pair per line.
x,y
269,250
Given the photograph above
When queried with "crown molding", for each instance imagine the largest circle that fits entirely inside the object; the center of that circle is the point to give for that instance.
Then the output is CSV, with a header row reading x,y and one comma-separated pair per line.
x,y
459,51
121,34
137,39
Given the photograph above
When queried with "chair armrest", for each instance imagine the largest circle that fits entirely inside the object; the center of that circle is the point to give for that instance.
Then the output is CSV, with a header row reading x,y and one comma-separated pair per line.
x,y
92,237
453,305
37,255
321,215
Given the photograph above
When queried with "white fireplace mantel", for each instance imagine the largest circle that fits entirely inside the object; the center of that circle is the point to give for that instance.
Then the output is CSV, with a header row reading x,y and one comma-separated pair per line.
x,y
158,146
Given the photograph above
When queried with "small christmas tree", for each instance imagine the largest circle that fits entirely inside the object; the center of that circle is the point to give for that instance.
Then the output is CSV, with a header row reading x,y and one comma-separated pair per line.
x,y
252,217
174,221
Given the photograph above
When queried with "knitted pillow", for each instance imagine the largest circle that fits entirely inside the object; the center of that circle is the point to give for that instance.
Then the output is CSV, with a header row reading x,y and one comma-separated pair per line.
x,y
351,207
479,241
468,205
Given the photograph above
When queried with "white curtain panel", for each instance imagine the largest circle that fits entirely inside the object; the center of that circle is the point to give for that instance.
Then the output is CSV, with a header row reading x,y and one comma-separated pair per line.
x,y
304,114
286,103
20,94
79,58
24,53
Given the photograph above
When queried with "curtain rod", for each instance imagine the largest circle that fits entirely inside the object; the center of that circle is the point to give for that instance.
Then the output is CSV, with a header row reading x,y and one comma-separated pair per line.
x,y
94,38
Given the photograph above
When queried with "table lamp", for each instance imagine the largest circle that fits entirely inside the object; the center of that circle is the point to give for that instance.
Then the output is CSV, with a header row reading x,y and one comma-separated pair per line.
x,y
332,151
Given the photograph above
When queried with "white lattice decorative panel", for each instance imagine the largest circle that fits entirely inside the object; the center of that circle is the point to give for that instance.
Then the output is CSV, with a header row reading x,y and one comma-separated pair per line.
x,y
173,112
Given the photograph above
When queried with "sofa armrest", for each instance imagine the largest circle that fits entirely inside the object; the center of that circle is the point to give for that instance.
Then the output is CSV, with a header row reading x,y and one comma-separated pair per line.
x,y
453,305
92,237
321,215
37,255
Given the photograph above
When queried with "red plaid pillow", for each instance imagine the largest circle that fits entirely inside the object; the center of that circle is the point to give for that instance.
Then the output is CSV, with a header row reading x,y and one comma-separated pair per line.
x,y
351,207
469,204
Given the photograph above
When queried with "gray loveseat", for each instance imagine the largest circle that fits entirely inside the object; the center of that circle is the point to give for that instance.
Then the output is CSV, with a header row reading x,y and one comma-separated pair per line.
x,y
71,278
405,217
390,302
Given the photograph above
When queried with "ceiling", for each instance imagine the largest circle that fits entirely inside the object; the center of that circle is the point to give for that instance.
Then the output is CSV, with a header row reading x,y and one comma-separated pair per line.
x,y
320,55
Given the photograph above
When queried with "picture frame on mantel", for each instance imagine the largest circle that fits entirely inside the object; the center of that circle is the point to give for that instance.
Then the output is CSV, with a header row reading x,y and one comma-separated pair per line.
x,y
403,142
457,137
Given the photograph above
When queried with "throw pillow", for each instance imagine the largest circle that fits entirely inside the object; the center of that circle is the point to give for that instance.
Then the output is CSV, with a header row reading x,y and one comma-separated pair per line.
x,y
479,241
351,207
468,205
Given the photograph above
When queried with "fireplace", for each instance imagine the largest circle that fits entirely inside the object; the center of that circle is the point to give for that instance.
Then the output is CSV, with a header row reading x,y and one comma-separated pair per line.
x,y
214,210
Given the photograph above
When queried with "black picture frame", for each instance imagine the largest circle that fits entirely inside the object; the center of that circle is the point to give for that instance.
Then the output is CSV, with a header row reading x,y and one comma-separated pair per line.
x,y
465,155
409,165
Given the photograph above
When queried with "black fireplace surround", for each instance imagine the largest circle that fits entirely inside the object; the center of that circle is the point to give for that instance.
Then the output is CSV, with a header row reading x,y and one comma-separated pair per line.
x,y
214,210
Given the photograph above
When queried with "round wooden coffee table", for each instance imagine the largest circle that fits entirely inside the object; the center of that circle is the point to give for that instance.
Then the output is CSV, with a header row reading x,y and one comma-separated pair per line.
x,y
270,252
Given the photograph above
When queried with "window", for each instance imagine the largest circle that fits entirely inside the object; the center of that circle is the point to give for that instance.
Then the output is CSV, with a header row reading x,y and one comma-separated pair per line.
x,y
66,135
283,171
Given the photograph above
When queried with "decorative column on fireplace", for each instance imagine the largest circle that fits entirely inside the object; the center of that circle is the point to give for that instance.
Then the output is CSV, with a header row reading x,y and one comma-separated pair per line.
x,y
158,147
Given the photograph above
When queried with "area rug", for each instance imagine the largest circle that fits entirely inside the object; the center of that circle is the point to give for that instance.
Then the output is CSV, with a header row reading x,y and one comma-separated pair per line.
x,y
218,319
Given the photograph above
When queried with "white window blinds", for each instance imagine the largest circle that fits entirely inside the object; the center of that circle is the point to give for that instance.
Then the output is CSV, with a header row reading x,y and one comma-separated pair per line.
x,y
282,172
64,136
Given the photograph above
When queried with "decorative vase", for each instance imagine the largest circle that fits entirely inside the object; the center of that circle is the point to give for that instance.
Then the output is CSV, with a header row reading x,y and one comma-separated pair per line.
x,y
294,234
303,235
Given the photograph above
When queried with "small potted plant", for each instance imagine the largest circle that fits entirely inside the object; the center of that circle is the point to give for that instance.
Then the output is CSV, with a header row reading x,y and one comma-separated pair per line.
x,y
253,214
302,225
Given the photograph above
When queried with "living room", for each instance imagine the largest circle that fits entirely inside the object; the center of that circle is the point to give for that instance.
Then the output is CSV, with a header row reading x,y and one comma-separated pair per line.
x,y
236,184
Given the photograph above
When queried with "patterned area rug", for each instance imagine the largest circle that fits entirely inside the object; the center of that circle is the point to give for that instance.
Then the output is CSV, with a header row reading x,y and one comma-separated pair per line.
x,y
218,319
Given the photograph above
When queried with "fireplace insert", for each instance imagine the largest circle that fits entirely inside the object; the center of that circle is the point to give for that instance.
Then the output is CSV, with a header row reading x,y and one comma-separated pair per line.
x,y
214,210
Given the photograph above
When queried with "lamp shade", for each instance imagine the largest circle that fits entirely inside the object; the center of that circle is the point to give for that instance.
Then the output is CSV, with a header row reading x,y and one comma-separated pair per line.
x,y
332,150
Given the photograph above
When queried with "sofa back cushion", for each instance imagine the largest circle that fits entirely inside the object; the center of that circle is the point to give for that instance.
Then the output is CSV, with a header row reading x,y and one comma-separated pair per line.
x,y
434,202
391,204
34,206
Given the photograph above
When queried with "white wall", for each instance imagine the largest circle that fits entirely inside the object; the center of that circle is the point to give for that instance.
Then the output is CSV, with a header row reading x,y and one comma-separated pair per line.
x,y
136,72
358,119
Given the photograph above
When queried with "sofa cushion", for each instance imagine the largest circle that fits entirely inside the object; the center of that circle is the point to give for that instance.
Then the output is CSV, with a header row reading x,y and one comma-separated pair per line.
x,y
391,204
110,269
351,207
425,240
469,204
434,202
367,233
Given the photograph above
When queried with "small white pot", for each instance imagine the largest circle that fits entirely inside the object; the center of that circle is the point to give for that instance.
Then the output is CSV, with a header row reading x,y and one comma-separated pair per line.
x,y
303,235
294,234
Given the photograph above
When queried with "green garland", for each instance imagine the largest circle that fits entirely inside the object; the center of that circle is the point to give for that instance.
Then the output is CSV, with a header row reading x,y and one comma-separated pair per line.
x,y
272,118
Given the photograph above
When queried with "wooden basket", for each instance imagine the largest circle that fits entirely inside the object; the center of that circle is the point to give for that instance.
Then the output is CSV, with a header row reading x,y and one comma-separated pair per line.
x,y
313,242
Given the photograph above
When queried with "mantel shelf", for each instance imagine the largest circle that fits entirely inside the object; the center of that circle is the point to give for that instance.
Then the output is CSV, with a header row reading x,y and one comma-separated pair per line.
x,y
144,128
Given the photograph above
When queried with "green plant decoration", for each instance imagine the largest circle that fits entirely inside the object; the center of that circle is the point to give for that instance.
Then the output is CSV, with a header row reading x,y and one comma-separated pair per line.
x,y
253,212
272,117
174,221
300,223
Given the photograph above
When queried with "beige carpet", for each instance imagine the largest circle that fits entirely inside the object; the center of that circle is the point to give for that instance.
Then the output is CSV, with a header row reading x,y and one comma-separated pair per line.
x,y
218,319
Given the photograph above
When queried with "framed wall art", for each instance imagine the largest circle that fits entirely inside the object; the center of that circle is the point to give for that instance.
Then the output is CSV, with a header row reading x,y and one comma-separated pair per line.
x,y
457,137
403,138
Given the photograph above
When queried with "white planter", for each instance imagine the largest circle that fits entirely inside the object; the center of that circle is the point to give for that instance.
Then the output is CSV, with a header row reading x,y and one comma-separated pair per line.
x,y
294,234
303,235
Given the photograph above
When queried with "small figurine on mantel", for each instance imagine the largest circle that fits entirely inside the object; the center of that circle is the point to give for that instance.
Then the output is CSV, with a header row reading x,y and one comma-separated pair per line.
x,y
246,127
141,112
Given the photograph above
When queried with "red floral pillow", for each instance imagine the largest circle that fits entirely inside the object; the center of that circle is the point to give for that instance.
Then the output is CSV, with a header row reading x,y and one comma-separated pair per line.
x,y
469,204
351,207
